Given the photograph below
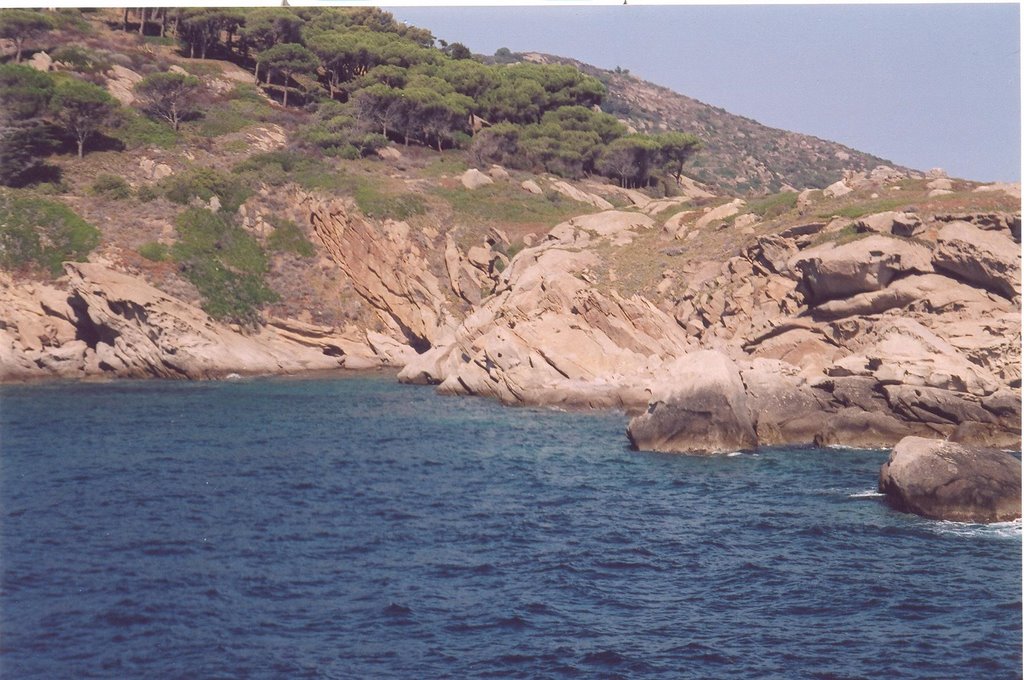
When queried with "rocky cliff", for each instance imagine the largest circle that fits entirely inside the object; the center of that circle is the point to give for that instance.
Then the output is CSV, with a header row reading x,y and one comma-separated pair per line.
x,y
841,331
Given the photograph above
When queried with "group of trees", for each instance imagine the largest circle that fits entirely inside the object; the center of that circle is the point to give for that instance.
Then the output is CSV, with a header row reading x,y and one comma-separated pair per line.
x,y
372,80
33,106
573,141
37,109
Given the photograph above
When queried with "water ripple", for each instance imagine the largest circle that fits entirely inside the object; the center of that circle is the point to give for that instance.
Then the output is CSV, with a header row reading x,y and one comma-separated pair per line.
x,y
355,528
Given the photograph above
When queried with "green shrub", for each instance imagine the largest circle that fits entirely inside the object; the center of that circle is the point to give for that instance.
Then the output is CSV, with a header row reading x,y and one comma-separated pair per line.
x,y
204,184
81,59
43,233
505,203
111,186
157,252
288,238
280,167
865,208
137,131
147,193
374,202
773,206
226,264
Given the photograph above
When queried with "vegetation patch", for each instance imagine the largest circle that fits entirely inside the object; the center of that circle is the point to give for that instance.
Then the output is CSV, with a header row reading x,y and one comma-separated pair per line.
x,y
154,251
861,209
773,206
289,238
111,186
42,232
204,184
137,131
373,201
504,203
226,264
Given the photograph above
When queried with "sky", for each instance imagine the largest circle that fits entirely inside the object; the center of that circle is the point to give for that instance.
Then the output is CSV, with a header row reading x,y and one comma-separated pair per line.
x,y
922,85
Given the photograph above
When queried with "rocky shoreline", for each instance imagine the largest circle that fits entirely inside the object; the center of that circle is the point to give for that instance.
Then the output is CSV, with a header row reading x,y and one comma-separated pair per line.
x,y
855,332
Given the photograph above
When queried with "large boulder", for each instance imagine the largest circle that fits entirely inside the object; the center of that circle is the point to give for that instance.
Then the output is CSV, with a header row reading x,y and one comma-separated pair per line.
x,y
947,481
989,259
474,179
830,271
700,407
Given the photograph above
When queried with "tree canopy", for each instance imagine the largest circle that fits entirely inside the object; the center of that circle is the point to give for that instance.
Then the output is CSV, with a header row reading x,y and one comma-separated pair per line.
x,y
171,96
82,109
20,25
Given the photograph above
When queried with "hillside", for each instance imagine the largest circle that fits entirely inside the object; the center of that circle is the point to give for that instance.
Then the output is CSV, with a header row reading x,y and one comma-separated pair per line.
x,y
740,156
275,228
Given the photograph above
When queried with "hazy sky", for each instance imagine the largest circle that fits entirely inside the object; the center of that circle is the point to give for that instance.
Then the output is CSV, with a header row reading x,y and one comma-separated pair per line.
x,y
923,85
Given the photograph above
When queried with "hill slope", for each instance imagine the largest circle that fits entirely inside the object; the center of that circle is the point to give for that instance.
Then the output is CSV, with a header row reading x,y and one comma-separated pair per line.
x,y
740,155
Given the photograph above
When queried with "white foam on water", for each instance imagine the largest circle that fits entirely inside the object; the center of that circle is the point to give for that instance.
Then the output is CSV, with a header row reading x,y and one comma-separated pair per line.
x,y
995,530
870,493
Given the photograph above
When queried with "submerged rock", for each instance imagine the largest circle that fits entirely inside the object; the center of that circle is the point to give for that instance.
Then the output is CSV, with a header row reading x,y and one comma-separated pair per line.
x,y
948,481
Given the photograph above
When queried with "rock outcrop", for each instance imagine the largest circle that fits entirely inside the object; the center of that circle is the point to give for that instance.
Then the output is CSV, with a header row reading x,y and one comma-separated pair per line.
x,y
948,481
699,406
386,266
112,324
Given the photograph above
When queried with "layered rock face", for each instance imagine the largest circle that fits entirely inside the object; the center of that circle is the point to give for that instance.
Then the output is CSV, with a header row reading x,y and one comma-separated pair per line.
x,y
108,323
547,336
830,339
848,332
948,481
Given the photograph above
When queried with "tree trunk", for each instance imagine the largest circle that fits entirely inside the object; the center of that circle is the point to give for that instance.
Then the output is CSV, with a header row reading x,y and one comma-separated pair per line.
x,y
142,21
81,147
191,50
286,78
124,20
19,42
163,22
203,48
257,72
174,117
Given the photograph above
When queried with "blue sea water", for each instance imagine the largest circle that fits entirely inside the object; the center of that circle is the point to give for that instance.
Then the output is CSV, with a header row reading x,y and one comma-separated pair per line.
x,y
356,528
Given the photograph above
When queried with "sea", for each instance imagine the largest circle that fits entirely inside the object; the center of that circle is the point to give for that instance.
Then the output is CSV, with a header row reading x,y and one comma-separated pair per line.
x,y
352,527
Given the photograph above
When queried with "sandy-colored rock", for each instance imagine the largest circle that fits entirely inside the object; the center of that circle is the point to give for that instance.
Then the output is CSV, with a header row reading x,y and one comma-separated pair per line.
x,y
121,82
837,189
474,179
385,266
829,271
896,223
948,481
989,259
40,61
577,194
498,173
720,213
699,406
532,187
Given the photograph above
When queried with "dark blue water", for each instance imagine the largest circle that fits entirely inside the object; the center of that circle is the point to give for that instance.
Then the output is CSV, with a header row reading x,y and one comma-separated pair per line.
x,y
355,528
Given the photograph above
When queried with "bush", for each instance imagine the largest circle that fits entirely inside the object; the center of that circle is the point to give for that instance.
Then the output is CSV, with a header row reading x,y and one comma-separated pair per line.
x,y
288,238
82,59
204,184
375,203
111,186
43,233
225,264
280,167
773,206
157,252
146,193
137,131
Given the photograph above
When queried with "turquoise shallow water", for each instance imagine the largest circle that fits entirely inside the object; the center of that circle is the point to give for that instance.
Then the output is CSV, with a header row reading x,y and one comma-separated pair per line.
x,y
355,528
